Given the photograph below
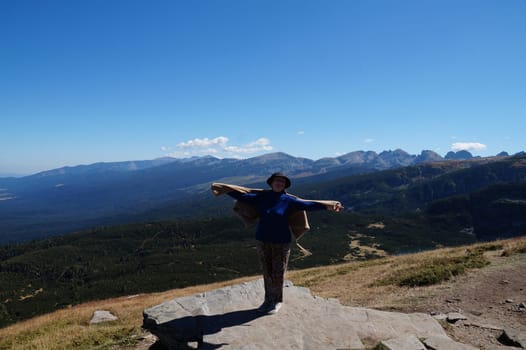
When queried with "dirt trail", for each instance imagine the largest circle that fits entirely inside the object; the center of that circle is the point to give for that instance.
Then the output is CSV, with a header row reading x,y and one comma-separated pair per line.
x,y
488,297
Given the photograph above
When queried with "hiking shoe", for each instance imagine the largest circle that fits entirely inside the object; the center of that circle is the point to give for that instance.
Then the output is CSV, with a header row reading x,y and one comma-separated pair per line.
x,y
274,308
265,307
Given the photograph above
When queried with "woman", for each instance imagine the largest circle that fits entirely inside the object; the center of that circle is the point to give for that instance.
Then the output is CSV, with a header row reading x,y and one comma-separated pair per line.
x,y
273,233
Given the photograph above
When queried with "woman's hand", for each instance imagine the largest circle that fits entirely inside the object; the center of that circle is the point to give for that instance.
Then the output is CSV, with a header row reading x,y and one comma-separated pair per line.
x,y
338,207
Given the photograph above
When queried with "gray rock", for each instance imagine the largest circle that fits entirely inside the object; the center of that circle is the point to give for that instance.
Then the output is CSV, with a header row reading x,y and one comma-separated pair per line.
x,y
476,313
455,316
409,342
439,316
485,325
513,337
102,316
519,307
445,343
227,317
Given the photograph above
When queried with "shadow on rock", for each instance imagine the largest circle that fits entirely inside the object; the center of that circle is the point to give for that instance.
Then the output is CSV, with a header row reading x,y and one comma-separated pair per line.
x,y
178,333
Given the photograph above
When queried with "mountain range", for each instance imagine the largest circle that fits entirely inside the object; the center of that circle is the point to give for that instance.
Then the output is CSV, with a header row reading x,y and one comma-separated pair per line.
x,y
73,198
153,225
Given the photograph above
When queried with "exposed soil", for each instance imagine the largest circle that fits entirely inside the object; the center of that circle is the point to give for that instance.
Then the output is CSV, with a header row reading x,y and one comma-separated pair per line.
x,y
489,298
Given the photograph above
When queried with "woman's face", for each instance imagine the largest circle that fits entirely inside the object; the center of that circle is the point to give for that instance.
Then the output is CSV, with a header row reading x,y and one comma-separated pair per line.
x,y
278,184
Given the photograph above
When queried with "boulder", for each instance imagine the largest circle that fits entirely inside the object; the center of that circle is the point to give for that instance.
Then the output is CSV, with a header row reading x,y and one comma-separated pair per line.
x,y
513,337
102,316
228,318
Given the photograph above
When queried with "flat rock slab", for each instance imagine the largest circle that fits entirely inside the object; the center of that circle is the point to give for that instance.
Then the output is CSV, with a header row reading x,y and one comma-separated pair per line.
x,y
455,316
228,318
409,342
445,343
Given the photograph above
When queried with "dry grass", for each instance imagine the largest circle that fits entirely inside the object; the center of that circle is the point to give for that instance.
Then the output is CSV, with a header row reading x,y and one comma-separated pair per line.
x,y
70,329
355,283
360,251
518,248
352,283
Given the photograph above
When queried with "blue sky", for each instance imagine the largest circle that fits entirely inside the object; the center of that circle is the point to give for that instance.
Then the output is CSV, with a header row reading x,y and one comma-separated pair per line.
x,y
100,80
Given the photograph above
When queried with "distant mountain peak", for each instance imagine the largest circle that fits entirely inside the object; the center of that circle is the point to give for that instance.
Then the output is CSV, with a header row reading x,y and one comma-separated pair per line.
x,y
275,155
460,155
397,151
427,156
196,158
272,157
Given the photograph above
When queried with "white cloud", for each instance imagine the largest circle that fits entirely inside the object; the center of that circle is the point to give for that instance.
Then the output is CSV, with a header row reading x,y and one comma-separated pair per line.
x,y
165,149
301,132
468,146
219,147
261,144
206,142
368,140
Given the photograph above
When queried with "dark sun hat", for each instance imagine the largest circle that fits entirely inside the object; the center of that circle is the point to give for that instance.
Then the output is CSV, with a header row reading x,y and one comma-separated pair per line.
x,y
273,176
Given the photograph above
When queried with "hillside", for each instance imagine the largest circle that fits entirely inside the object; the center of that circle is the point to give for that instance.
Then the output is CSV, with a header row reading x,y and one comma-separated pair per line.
x,y
75,198
480,292
137,258
391,212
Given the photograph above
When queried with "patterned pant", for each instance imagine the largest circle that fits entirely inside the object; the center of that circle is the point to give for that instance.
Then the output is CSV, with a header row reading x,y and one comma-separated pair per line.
x,y
274,258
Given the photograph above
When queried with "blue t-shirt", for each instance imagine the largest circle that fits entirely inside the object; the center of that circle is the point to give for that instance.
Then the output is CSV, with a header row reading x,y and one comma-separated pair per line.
x,y
274,209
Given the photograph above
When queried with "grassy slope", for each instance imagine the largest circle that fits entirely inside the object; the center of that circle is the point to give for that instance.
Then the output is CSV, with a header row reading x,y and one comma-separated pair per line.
x,y
151,257
354,283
